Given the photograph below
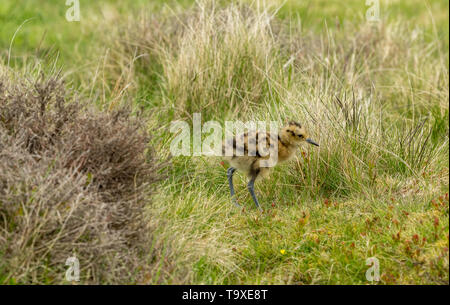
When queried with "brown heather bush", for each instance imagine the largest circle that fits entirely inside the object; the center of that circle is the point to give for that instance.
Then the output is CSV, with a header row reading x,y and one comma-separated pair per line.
x,y
72,181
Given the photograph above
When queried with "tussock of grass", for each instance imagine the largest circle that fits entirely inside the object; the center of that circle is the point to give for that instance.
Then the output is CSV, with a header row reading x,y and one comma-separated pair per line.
x,y
211,59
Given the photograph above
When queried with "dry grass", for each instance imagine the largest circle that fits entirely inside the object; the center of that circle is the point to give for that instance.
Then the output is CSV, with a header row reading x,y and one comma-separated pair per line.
x,y
207,57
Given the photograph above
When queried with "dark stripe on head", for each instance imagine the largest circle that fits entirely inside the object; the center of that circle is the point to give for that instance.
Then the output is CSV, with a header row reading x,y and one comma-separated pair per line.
x,y
295,123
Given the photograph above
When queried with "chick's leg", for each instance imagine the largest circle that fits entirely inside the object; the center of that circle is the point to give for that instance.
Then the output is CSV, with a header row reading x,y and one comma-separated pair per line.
x,y
230,172
251,189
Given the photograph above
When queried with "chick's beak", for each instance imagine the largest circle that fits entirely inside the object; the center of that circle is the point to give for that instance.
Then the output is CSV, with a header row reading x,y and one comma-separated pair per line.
x,y
311,142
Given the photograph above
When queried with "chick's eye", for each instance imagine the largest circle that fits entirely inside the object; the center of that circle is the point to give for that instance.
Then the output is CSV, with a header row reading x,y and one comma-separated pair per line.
x,y
300,136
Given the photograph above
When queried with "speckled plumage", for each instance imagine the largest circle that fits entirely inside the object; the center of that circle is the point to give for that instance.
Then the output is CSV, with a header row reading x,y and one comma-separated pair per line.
x,y
248,152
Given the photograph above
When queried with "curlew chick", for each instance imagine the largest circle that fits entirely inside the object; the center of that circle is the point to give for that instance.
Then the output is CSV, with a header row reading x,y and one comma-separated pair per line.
x,y
248,152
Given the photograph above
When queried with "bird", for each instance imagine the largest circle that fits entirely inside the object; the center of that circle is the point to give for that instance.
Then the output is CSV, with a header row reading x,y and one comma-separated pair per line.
x,y
248,154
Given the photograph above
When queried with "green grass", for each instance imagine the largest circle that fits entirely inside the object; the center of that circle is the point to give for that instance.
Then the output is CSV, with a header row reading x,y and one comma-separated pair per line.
x,y
374,188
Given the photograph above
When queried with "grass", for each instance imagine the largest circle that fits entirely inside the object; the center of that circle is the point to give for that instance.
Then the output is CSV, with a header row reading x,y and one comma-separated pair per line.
x,y
374,95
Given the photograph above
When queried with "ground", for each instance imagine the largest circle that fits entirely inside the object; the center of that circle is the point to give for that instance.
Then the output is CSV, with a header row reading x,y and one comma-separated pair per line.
x,y
373,94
